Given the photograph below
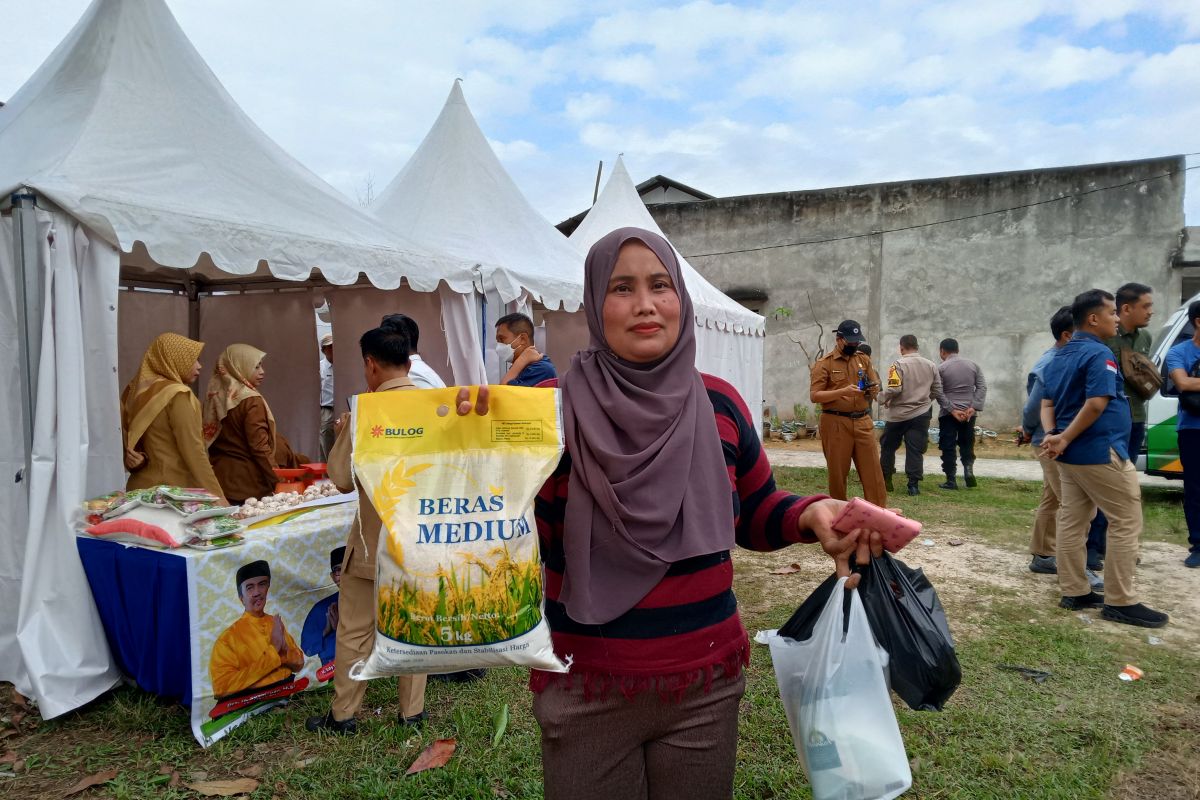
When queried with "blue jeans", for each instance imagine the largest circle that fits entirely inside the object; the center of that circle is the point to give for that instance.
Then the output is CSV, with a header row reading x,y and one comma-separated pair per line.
x,y
1097,539
1189,456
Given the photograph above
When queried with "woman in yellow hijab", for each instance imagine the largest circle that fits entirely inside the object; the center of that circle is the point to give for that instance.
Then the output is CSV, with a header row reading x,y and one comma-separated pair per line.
x,y
161,419
239,428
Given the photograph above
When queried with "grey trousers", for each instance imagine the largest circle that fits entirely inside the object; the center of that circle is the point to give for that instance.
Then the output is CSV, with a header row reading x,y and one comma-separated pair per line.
x,y
640,749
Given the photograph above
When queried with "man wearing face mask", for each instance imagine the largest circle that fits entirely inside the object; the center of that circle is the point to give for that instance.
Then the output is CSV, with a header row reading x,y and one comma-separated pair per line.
x,y
844,383
523,365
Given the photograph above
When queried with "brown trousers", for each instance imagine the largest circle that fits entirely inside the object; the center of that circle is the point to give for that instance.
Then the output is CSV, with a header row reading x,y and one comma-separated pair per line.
x,y
1045,524
1114,488
844,440
640,749
355,638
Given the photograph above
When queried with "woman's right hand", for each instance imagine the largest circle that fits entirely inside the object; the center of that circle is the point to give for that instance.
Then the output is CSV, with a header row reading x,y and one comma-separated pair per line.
x,y
462,403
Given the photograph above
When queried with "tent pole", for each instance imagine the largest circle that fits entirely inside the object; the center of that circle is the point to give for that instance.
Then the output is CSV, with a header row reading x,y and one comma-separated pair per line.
x,y
193,296
29,306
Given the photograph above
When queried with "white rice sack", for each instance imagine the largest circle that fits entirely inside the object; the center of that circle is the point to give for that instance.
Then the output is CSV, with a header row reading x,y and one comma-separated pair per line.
x,y
458,581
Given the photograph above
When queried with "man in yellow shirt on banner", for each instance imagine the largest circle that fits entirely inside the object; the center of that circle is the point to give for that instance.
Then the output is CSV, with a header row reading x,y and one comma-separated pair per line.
x,y
256,650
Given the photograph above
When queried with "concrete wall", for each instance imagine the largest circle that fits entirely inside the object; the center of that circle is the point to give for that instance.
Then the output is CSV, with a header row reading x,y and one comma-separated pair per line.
x,y
991,281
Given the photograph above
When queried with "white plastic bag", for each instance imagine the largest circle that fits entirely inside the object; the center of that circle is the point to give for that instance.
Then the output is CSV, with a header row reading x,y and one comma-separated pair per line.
x,y
838,706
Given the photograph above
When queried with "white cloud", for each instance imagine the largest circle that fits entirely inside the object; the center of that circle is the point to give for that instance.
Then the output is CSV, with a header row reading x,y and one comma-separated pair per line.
x,y
516,150
1063,65
732,97
583,107
1178,70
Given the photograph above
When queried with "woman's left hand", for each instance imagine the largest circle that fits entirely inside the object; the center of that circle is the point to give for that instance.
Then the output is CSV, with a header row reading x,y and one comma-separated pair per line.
x,y
818,517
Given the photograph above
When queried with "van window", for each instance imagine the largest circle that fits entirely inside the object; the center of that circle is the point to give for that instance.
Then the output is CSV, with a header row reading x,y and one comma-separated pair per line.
x,y
1182,334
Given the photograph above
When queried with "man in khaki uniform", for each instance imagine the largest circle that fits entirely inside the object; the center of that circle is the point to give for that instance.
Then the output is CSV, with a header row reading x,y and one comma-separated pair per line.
x,y
913,384
385,360
844,382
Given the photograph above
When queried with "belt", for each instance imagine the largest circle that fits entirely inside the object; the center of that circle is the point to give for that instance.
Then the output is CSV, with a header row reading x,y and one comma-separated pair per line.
x,y
329,407
850,414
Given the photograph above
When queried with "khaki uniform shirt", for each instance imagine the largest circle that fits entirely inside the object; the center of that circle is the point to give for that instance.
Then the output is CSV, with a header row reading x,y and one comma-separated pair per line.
x,y
913,383
174,449
835,371
363,541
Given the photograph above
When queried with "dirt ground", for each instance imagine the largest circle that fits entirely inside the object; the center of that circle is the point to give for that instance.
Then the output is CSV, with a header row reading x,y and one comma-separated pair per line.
x,y
1000,447
959,573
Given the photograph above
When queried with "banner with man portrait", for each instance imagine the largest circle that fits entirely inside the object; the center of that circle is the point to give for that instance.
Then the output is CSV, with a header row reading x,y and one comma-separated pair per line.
x,y
264,618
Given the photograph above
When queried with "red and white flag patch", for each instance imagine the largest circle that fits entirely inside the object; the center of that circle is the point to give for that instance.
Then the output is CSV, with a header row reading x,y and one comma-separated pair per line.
x,y
1112,366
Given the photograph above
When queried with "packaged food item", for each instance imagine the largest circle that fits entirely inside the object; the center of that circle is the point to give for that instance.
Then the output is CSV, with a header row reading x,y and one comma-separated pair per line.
x,y
459,577
213,527
182,494
231,540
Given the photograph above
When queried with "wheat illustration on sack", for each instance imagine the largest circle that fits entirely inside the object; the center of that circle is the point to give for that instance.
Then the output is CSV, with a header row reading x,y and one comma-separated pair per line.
x,y
459,576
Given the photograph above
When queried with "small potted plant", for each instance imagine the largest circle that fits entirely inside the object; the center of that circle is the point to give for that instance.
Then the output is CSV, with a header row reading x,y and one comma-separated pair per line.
x,y
788,430
776,426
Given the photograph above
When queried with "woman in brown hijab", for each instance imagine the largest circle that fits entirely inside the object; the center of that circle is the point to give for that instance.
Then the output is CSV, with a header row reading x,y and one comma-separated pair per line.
x,y
160,417
239,428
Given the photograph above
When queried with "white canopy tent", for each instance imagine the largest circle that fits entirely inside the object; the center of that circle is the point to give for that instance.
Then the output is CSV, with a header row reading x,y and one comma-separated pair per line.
x,y
729,336
128,162
455,195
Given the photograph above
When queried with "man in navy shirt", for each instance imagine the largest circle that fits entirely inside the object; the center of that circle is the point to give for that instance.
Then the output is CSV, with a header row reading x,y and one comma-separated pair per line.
x,y
1087,419
319,636
1181,359
524,365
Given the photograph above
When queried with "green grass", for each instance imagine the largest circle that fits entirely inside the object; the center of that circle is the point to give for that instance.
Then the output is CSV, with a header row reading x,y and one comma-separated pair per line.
x,y
1081,734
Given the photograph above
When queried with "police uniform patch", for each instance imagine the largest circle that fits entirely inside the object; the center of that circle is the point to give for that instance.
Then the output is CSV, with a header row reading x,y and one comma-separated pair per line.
x,y
894,379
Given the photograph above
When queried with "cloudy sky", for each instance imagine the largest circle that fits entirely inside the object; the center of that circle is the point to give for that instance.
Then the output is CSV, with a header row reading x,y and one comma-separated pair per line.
x,y
732,98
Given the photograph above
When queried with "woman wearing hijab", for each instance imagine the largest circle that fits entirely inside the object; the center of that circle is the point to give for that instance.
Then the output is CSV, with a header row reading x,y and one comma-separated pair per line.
x,y
160,417
239,428
663,474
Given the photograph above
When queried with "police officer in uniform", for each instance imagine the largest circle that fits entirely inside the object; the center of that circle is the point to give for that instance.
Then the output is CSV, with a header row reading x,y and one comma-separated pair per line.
x,y
844,383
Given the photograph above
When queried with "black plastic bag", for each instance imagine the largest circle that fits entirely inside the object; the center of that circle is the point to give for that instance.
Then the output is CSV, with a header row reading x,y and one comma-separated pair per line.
x,y
908,622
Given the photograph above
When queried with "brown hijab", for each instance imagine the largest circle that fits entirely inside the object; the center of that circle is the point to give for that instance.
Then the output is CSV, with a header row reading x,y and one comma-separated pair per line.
x,y
648,484
160,377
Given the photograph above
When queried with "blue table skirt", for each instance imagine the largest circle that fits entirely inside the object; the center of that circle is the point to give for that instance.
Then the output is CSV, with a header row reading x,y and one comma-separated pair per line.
x,y
142,596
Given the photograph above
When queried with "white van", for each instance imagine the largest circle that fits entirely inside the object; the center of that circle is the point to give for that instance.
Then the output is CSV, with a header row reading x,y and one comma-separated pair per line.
x,y
1161,450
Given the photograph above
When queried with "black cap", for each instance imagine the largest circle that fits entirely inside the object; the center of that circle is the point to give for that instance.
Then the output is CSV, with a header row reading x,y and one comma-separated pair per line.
x,y
851,331
255,569
336,556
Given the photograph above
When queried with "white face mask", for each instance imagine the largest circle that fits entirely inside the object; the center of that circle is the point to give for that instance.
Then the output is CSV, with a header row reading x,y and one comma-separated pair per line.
x,y
504,352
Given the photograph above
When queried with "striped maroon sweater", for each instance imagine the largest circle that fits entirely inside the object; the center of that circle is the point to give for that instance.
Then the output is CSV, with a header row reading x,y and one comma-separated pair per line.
x,y
688,626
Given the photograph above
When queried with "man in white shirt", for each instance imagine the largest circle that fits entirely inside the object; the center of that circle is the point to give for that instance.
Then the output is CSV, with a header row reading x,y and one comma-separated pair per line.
x,y
420,373
327,415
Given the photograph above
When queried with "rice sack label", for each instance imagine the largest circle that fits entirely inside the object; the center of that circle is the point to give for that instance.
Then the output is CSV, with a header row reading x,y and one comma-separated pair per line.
x,y
458,581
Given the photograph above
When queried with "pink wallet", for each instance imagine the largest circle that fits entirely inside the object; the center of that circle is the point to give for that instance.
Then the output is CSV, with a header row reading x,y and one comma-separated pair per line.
x,y
896,530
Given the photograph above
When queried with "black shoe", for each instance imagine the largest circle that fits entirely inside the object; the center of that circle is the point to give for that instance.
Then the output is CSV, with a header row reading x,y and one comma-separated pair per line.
x,y
326,722
1137,614
1044,565
887,481
415,721
1095,561
1089,600
1193,560
969,477
914,488
949,484
465,676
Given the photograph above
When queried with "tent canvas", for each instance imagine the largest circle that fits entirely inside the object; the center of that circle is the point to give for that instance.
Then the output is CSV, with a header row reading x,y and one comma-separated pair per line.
x,y
136,163
455,195
729,336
